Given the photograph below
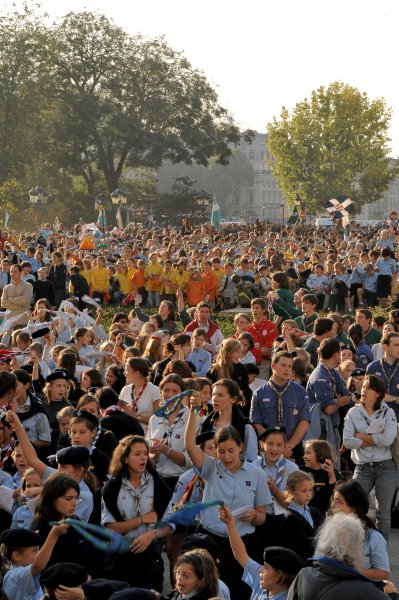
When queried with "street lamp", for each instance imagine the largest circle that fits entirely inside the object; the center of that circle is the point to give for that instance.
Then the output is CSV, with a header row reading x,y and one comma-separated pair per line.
x,y
118,197
202,199
282,206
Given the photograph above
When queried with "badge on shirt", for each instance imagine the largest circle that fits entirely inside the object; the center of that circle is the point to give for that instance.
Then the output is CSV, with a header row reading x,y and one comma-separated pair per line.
x,y
248,483
295,412
177,436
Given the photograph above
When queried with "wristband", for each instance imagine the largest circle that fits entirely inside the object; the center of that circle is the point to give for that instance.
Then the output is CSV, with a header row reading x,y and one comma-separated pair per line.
x,y
156,531
141,519
168,451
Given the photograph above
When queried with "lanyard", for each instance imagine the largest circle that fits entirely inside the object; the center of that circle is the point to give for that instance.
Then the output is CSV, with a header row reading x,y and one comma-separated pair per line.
x,y
134,398
280,394
392,375
332,381
280,471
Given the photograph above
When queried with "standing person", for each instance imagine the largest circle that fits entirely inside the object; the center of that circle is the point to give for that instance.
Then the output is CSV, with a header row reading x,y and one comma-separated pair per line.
x,y
323,329
134,500
240,484
327,390
100,280
282,402
386,268
370,428
387,368
17,295
58,277
56,392
43,288
264,332
152,277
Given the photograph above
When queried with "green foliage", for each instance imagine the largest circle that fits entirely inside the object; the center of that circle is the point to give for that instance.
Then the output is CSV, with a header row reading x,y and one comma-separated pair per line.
x,y
331,144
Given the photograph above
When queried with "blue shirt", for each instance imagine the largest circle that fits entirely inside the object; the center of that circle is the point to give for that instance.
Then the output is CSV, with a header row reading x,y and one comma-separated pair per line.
x,y
22,518
19,584
324,385
251,577
370,282
375,551
386,267
295,407
6,480
85,500
202,360
271,473
245,487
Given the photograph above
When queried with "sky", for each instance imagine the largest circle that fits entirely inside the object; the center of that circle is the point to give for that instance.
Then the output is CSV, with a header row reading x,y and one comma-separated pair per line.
x,y
261,55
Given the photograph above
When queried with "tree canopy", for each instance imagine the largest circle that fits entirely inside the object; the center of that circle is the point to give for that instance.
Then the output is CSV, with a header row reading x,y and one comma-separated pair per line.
x,y
334,143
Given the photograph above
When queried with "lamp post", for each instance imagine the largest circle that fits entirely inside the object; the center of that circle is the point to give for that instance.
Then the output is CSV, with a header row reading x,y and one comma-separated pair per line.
x,y
202,200
38,197
282,206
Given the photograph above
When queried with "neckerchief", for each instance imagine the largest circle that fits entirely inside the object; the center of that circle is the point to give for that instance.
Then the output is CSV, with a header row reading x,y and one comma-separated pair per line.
x,y
188,492
134,398
111,409
7,453
280,394
170,427
332,380
137,494
280,465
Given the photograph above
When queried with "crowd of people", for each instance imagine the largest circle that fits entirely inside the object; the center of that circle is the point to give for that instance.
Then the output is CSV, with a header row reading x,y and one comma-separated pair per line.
x,y
284,428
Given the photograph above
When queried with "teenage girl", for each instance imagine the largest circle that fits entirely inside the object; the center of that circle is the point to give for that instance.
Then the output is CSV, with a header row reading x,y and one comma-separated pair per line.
x,y
229,477
196,577
319,462
300,521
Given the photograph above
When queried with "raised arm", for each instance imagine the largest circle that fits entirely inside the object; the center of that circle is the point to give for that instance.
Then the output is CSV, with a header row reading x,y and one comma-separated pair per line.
x,y
27,447
237,545
195,453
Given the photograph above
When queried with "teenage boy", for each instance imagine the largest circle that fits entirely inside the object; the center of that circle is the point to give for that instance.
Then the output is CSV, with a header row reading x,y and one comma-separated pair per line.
x,y
201,358
264,332
309,315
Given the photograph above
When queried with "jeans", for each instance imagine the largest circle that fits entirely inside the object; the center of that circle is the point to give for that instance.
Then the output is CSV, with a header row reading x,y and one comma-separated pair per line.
x,y
384,477
154,299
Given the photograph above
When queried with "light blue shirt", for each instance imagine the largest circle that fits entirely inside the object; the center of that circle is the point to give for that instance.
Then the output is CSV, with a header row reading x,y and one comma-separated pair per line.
x,y
6,480
202,360
245,487
22,518
375,551
19,584
85,501
303,511
251,577
271,473
386,267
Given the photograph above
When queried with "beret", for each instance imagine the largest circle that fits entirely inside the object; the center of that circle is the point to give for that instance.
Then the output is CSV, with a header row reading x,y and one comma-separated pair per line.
x,y
201,540
63,573
73,455
20,538
133,594
85,414
270,430
283,559
58,374
358,372
204,437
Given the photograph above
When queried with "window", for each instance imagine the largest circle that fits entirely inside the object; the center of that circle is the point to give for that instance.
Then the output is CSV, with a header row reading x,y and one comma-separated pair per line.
x,y
251,155
250,198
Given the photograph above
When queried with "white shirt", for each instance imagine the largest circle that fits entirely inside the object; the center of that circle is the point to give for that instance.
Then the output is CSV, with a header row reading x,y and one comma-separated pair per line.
x,y
145,403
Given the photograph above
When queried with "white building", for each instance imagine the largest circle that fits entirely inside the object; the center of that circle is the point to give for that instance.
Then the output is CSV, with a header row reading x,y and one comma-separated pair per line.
x,y
262,199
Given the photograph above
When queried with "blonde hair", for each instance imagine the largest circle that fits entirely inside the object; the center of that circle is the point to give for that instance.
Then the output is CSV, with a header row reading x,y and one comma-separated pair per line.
x,y
294,479
223,365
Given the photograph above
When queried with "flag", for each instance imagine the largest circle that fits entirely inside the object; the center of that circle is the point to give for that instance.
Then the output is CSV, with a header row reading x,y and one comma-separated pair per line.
x,y
216,216
340,207
119,220
102,219
6,218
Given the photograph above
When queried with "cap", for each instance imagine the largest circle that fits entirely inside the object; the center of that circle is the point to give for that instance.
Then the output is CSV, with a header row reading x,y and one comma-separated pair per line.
x,y
74,455
204,437
102,589
85,414
58,374
201,540
63,573
20,538
358,373
270,430
283,559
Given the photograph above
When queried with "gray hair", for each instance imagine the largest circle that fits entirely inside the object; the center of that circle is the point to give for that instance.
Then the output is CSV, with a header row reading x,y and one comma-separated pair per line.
x,y
341,537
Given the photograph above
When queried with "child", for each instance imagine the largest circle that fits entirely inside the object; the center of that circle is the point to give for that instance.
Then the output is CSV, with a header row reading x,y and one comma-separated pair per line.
x,y
31,486
205,390
199,357
78,285
300,521
196,577
319,462
20,464
100,280
386,268
318,283
367,294
21,548
227,287
247,343
273,579
43,288
196,288
242,321
339,298
277,468
64,417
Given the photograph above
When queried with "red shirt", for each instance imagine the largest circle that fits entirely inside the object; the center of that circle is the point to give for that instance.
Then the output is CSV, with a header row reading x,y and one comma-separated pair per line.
x,y
264,333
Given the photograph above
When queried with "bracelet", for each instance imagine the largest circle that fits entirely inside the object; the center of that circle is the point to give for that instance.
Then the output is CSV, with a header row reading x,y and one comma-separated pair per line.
x,y
168,451
156,531
141,519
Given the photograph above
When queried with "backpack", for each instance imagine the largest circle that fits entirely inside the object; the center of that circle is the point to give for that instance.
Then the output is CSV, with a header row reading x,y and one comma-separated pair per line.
x,y
244,299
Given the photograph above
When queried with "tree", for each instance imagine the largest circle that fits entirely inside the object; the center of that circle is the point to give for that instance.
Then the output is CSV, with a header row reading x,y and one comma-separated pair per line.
x,y
334,143
124,101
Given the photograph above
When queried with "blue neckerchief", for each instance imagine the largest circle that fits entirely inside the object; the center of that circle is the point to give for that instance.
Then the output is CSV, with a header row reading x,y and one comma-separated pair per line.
x,y
332,562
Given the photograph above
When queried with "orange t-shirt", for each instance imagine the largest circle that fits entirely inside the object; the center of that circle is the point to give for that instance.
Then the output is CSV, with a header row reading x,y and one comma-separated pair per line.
x,y
195,292
210,280
138,279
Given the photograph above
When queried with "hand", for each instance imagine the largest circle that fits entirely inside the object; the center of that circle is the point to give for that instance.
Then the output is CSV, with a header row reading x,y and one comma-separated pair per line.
x,y
389,588
287,452
249,516
272,485
66,593
225,514
150,518
60,529
119,339
13,419
328,466
142,542
195,402
158,447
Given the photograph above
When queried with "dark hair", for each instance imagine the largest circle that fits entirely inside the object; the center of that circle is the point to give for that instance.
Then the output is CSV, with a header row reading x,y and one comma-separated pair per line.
x,y
311,298
380,320
282,279
181,339
281,354
204,569
328,348
377,385
118,466
322,450
80,332
260,301
366,312
173,378
336,317
119,316
387,337
357,499
139,365
68,360
322,325
56,486
8,383
300,369
247,336
95,377
23,376
226,433
106,397
355,333
179,367
233,389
